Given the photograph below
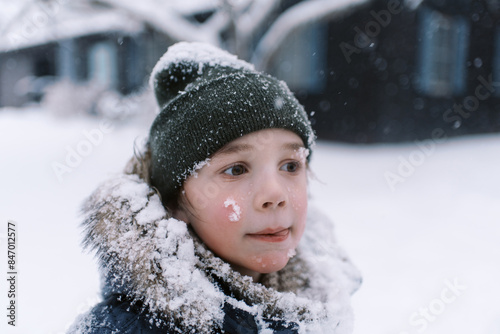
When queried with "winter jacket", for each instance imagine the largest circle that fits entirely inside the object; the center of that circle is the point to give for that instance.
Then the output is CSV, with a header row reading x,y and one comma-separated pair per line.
x,y
160,277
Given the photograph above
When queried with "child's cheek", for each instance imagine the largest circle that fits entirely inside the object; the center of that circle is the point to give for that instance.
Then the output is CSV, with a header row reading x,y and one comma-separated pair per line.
x,y
298,199
200,202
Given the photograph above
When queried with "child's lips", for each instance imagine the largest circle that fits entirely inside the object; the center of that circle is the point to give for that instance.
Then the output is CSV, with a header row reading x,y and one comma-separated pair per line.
x,y
271,235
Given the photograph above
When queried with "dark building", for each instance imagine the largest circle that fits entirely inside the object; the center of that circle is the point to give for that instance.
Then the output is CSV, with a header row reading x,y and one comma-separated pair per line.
x,y
81,43
382,71
389,72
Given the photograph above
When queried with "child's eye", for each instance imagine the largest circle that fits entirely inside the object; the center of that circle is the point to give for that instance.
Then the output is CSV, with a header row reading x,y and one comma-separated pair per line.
x,y
235,170
290,167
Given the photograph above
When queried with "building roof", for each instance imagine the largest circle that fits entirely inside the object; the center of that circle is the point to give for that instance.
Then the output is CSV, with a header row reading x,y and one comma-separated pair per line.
x,y
37,23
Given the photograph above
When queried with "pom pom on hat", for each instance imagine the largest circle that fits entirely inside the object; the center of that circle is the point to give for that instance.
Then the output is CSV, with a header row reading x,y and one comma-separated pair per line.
x,y
184,63
208,98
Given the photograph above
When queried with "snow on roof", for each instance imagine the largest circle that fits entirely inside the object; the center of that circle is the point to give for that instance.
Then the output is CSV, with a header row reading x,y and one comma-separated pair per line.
x,y
10,9
198,53
40,23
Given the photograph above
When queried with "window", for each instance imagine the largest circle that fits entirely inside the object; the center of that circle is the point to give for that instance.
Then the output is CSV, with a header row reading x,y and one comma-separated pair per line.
x,y
443,52
496,62
103,64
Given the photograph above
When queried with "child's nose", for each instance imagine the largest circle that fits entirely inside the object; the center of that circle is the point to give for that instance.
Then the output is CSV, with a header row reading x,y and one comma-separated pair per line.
x,y
270,194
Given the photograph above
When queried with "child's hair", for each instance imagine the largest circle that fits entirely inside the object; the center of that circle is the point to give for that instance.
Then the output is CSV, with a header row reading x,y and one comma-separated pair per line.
x,y
207,98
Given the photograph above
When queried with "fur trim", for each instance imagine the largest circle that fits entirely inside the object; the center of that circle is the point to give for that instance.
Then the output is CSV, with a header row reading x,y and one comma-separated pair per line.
x,y
159,262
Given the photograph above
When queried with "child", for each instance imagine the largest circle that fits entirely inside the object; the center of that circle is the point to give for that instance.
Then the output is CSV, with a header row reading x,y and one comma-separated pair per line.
x,y
205,232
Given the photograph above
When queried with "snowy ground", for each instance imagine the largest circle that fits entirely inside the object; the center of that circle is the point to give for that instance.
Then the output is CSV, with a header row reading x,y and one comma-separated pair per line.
x,y
429,248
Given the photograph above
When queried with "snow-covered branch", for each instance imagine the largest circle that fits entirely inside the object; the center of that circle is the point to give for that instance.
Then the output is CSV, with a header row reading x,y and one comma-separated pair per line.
x,y
165,18
295,17
237,21
250,21
233,24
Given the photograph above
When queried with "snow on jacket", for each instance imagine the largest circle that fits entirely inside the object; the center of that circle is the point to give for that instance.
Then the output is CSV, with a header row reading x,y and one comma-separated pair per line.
x,y
160,278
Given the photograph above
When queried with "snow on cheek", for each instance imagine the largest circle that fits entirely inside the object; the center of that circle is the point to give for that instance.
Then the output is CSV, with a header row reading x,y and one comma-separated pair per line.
x,y
294,199
296,191
291,253
235,215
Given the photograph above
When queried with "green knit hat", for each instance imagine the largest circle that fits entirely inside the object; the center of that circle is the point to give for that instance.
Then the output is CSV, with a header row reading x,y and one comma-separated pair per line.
x,y
208,98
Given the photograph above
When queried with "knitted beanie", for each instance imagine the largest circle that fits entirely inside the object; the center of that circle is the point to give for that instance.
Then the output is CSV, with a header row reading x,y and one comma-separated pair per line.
x,y
207,98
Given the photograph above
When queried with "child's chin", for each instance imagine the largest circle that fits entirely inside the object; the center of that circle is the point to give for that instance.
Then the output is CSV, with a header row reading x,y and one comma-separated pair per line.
x,y
271,264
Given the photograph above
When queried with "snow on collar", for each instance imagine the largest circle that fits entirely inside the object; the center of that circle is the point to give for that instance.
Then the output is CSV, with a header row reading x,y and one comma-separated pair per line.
x,y
164,265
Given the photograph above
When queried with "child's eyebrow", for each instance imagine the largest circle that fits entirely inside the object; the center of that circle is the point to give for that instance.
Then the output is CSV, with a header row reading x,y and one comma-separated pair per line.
x,y
235,148
292,146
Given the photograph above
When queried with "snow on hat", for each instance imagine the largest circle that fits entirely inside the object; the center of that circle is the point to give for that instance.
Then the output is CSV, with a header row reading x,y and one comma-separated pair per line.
x,y
208,98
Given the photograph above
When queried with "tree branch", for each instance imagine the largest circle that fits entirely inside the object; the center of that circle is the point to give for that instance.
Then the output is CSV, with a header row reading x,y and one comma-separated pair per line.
x,y
300,15
165,19
250,21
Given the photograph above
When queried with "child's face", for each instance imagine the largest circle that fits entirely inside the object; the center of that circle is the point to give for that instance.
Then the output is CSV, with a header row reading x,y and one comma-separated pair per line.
x,y
249,203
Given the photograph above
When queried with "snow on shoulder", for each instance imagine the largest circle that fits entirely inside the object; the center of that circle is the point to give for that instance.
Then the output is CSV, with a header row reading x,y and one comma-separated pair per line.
x,y
197,53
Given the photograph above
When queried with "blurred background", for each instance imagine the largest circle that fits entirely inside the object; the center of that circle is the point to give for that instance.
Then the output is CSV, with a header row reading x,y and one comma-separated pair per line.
x,y
404,96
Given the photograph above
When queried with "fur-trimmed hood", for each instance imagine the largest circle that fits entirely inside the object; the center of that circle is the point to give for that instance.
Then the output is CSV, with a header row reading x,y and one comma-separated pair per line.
x,y
158,262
